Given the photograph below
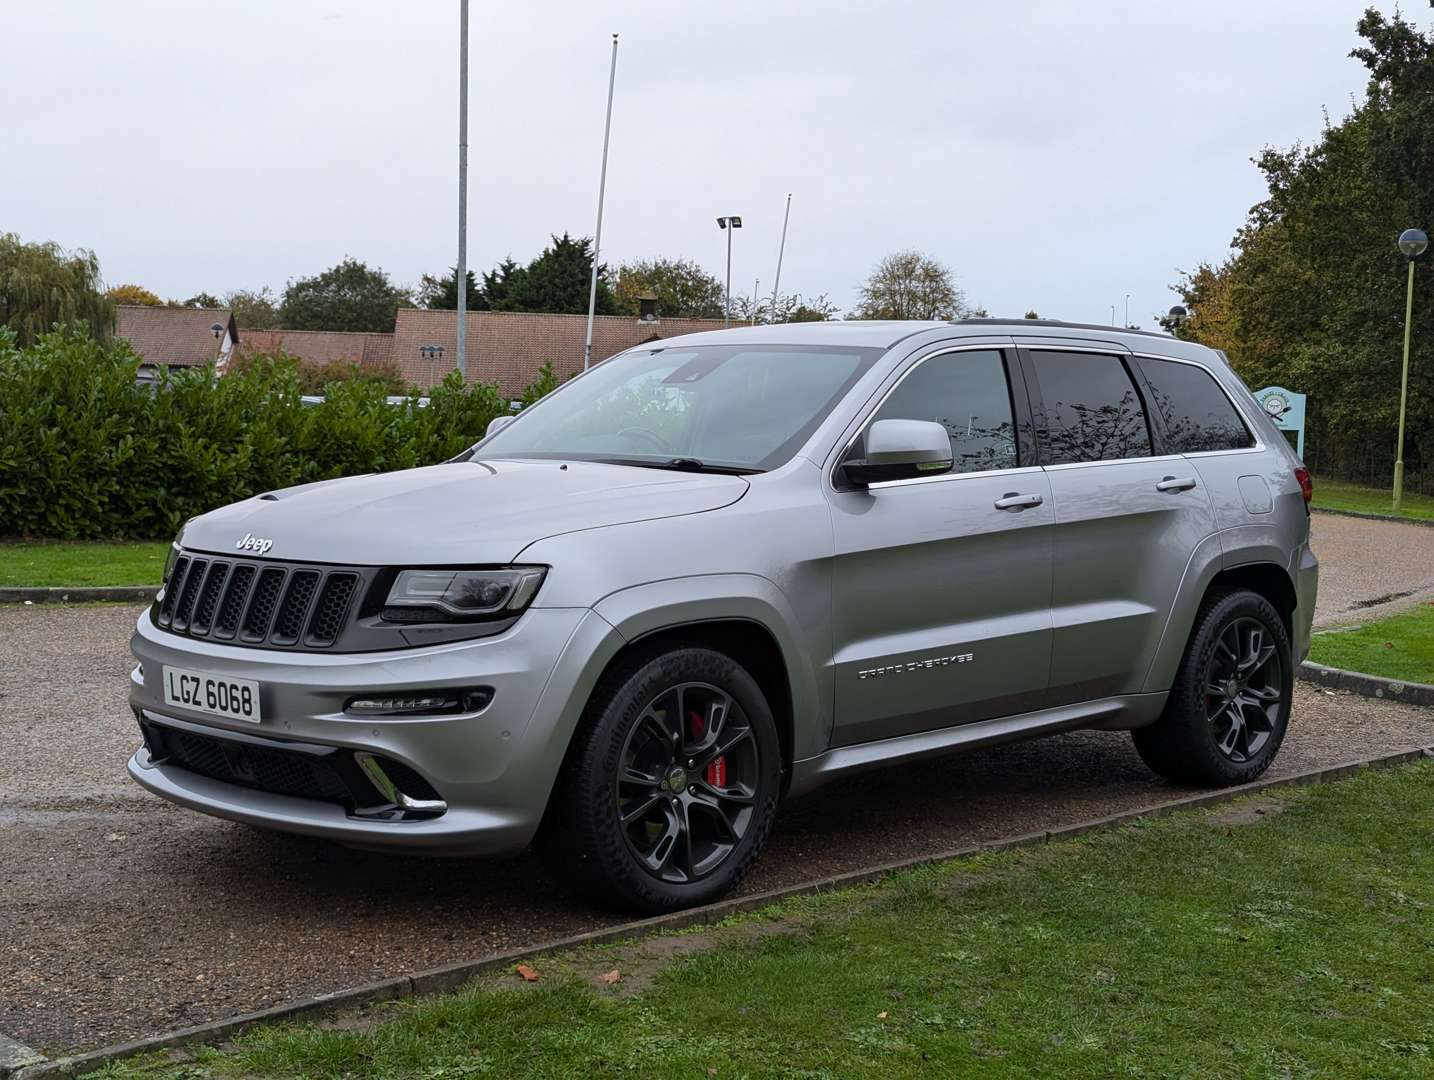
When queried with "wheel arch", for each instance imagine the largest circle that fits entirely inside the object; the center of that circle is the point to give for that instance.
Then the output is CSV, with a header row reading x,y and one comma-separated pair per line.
x,y
1206,572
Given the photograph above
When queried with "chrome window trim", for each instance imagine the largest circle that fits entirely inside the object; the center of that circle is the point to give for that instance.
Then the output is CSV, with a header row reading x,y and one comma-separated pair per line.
x,y
948,477
1251,429
1064,465
865,418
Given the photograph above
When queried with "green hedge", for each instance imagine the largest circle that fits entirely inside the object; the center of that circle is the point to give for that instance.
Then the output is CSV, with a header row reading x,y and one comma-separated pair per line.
x,y
86,452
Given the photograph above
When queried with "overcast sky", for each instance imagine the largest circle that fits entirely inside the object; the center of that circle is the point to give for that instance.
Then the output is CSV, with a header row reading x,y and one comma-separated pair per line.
x,y
1055,155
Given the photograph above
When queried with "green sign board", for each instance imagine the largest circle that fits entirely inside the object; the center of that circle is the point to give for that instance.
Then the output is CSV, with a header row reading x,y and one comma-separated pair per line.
x,y
1287,410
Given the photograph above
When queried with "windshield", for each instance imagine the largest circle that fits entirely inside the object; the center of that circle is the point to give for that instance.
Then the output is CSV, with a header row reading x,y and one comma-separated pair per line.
x,y
720,406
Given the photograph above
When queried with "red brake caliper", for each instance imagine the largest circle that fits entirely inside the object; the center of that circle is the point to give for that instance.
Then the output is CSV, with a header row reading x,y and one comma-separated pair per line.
x,y
716,774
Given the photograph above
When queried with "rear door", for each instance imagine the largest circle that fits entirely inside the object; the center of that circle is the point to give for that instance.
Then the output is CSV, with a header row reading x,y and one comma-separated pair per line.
x,y
1127,518
941,597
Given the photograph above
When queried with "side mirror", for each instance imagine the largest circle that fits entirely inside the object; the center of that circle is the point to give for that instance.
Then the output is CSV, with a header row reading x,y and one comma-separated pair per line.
x,y
901,450
497,424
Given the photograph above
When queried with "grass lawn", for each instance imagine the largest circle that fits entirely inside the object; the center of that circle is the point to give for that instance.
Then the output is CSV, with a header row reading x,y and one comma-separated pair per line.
x,y
1221,943
63,563
1399,647
1342,495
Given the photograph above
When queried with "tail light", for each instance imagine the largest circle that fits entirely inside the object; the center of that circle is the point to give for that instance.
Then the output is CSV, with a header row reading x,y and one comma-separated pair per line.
x,y
1306,484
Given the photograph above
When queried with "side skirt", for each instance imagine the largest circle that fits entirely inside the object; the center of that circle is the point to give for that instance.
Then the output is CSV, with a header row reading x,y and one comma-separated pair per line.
x,y
1109,714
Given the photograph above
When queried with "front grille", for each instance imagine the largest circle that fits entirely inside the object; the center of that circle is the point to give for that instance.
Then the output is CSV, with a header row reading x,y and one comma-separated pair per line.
x,y
301,770
305,774
258,603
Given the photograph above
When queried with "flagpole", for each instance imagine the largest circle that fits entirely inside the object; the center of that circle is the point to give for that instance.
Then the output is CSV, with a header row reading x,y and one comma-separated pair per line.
x,y
602,190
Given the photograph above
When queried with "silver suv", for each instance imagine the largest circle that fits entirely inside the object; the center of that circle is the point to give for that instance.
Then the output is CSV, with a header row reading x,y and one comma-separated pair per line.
x,y
721,569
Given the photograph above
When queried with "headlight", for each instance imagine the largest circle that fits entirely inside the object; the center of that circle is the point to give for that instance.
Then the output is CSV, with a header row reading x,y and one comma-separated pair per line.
x,y
459,595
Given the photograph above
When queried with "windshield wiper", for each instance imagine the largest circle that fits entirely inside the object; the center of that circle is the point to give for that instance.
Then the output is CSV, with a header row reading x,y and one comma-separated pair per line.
x,y
685,464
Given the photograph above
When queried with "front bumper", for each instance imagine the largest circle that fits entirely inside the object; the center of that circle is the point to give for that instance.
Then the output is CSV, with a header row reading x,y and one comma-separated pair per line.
x,y
494,768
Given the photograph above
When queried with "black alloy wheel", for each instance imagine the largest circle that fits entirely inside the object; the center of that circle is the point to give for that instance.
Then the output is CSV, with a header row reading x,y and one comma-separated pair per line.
x,y
688,782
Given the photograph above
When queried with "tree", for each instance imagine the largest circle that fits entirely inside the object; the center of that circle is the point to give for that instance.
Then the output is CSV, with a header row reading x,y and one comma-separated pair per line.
x,y
1031,314
134,294
198,300
441,293
790,308
910,285
42,284
349,296
683,289
253,310
557,281
1312,296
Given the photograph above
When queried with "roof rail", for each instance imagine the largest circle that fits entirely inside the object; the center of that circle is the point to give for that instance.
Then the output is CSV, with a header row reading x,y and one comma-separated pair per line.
x,y
1057,323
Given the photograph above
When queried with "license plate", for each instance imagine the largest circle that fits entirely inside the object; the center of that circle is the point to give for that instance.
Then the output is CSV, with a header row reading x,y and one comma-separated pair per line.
x,y
237,699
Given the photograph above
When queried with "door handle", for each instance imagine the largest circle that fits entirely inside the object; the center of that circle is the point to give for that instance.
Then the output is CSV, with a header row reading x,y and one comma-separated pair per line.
x,y
1176,483
1014,501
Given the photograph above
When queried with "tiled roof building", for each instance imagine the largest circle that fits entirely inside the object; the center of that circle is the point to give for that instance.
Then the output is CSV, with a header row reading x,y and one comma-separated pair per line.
x,y
508,347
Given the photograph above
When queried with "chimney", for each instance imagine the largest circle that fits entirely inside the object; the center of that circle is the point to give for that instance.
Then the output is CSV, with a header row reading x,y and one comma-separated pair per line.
x,y
647,308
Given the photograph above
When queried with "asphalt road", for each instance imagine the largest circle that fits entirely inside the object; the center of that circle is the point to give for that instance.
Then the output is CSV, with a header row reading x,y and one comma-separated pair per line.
x,y
122,916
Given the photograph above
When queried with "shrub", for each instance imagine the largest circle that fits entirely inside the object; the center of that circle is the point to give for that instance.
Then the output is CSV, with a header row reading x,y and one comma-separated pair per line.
x,y
87,453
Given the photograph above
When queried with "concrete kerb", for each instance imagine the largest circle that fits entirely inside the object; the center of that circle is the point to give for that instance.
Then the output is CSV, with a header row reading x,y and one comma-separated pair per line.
x,y
1375,686
78,595
452,976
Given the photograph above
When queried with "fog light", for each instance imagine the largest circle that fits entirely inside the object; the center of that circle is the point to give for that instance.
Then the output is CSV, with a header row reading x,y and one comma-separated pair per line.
x,y
388,705
422,704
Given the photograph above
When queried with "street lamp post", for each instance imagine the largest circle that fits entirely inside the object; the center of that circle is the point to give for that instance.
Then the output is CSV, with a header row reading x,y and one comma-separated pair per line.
x,y
1127,311
728,224
1412,243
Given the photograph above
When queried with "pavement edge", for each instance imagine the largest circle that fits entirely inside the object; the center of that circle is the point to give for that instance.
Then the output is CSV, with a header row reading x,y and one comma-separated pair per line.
x,y
452,976
1373,686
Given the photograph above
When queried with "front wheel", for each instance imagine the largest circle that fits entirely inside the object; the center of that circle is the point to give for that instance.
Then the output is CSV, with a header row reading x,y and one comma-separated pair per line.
x,y
1230,705
672,786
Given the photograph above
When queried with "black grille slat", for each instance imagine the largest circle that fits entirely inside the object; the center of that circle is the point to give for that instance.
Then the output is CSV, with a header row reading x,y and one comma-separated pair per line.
x,y
303,584
189,594
332,606
208,601
226,623
262,604
172,589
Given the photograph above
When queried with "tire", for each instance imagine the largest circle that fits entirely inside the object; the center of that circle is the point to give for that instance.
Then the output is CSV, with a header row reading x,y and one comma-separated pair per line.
x,y
693,826
1230,705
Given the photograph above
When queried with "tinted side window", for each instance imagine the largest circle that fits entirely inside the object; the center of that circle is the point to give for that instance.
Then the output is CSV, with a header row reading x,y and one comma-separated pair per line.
x,y
1197,414
967,393
1089,409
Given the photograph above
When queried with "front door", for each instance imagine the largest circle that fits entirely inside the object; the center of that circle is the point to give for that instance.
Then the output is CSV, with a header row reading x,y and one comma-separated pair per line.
x,y
1127,520
942,585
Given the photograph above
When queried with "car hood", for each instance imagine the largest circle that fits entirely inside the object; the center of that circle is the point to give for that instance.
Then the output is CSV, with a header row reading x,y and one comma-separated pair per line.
x,y
477,512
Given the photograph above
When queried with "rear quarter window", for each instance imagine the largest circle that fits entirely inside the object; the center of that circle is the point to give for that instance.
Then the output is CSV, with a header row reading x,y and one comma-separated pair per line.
x,y
1197,414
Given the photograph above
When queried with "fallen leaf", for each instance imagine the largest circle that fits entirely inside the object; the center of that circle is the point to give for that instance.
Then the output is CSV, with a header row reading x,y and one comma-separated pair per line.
x,y
529,975
881,1015
611,977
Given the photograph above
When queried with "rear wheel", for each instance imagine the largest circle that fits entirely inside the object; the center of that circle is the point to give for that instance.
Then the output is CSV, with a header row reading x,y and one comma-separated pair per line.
x,y
673,783
1230,705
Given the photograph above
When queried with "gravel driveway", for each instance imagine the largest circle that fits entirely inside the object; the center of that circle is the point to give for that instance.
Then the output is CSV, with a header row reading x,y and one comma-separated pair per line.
x,y
122,916
1370,569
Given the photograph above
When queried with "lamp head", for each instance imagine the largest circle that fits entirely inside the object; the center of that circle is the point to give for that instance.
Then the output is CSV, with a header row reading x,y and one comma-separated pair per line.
x,y
1412,243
